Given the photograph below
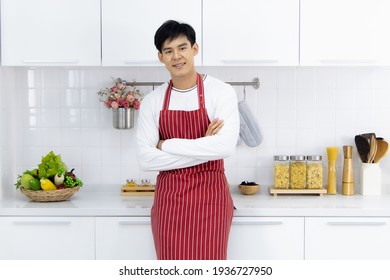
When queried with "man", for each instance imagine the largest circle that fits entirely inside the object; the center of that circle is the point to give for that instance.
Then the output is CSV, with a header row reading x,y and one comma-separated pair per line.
x,y
193,209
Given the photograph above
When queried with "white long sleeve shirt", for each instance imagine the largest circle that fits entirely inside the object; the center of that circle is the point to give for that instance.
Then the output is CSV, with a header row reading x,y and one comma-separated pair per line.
x,y
220,102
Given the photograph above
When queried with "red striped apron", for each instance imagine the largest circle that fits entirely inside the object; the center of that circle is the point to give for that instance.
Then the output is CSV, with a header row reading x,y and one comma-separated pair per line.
x,y
193,209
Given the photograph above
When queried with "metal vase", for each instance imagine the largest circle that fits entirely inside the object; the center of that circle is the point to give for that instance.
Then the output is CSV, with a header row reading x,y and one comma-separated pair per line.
x,y
123,118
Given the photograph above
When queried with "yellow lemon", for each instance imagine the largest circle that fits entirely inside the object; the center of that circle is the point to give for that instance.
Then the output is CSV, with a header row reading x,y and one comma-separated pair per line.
x,y
47,185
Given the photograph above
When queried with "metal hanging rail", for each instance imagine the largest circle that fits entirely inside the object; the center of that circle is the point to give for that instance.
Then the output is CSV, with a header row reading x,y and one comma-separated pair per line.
x,y
255,83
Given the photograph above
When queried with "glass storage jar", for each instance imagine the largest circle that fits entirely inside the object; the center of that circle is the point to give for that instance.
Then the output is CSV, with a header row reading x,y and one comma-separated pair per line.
x,y
314,172
281,172
297,172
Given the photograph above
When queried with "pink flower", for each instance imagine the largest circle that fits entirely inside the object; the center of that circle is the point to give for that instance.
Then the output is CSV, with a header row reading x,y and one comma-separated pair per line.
x,y
130,98
114,104
136,104
118,97
123,103
107,103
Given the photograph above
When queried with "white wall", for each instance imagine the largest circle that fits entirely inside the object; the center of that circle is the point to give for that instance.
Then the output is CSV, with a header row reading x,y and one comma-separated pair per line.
x,y
2,132
7,129
301,111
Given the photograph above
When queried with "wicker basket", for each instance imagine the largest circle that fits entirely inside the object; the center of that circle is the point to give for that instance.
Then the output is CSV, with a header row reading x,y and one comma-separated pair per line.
x,y
54,195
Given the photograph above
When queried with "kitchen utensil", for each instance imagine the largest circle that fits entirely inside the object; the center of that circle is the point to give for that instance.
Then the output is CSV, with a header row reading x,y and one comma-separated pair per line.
x,y
373,148
363,147
382,149
368,136
332,157
348,182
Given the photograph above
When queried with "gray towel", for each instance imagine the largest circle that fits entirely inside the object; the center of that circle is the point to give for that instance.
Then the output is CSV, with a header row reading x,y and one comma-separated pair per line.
x,y
250,130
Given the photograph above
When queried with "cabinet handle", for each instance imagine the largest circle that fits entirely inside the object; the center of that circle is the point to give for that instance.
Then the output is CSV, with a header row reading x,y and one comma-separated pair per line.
x,y
49,61
258,223
42,222
356,223
142,62
131,223
250,61
347,61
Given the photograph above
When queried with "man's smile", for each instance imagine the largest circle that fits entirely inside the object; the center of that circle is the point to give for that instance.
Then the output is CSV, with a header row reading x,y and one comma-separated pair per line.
x,y
179,65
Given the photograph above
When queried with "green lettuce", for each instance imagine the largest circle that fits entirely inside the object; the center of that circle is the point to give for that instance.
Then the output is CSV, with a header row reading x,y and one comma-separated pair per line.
x,y
51,165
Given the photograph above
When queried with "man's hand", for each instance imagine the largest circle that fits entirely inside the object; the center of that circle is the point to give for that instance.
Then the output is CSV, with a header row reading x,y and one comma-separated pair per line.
x,y
214,127
159,144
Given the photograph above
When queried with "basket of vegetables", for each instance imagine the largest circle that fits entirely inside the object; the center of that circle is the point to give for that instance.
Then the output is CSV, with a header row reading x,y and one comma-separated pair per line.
x,y
51,181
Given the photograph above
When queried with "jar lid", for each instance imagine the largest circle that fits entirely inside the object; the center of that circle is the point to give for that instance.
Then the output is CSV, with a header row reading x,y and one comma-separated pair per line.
x,y
314,157
297,158
281,158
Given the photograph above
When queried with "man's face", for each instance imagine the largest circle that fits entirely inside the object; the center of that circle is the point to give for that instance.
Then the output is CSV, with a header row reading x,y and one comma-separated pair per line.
x,y
178,56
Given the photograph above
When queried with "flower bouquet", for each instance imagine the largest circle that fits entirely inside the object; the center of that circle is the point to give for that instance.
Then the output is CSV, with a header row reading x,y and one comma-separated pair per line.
x,y
122,101
118,96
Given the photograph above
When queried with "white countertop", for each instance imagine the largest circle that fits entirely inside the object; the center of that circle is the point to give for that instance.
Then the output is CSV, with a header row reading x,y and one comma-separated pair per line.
x,y
107,201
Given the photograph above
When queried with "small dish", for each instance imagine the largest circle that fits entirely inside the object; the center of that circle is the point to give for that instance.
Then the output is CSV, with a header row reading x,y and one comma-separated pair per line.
x,y
249,189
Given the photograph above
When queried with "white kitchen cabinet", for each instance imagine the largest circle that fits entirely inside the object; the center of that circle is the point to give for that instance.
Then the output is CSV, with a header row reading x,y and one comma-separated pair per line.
x,y
124,238
47,238
330,238
266,238
250,32
128,28
344,32
50,32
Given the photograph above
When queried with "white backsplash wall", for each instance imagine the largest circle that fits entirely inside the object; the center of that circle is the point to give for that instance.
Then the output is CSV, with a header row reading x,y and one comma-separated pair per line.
x,y
2,132
301,111
7,159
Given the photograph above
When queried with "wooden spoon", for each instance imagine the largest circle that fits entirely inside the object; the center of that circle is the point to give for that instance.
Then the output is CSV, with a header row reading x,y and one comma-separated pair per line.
x,y
382,149
373,148
363,147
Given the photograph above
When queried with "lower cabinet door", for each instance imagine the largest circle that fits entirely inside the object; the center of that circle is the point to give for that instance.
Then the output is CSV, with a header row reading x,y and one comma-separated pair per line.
x,y
266,238
47,238
347,238
124,238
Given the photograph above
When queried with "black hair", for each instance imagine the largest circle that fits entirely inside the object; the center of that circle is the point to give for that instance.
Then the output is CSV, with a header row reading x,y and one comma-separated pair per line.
x,y
171,30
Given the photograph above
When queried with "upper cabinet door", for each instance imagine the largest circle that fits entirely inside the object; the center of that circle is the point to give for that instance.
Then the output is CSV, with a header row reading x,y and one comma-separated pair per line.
x,y
251,32
128,28
345,32
50,32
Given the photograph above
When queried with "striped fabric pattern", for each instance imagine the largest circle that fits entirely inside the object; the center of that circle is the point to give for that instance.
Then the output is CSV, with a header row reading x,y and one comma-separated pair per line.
x,y
193,208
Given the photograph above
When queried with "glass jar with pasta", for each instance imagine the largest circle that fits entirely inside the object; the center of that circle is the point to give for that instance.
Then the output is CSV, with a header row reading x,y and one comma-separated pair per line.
x,y
297,172
314,172
281,172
